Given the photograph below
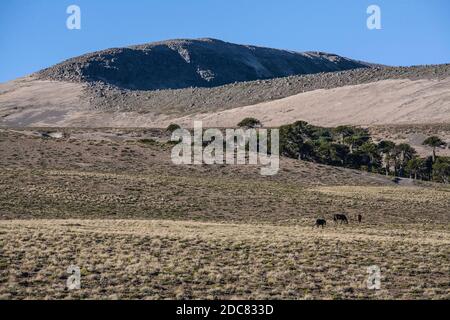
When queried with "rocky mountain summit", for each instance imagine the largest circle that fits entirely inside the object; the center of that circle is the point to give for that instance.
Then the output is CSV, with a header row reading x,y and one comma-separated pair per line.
x,y
176,64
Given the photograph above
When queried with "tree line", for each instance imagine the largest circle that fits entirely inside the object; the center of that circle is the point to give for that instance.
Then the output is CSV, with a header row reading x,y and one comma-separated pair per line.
x,y
353,147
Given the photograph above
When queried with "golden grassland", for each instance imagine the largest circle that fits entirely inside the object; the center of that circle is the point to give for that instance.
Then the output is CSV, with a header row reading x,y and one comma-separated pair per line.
x,y
154,259
141,228
92,195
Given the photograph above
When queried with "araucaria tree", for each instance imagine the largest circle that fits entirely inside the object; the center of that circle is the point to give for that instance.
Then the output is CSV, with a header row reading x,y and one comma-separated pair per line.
x,y
434,142
404,153
386,149
353,147
441,170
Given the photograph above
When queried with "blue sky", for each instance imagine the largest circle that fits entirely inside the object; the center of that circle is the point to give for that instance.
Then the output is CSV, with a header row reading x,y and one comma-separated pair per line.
x,y
33,33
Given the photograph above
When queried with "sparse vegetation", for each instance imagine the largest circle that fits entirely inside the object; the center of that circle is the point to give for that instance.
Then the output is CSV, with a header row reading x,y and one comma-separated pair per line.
x,y
149,142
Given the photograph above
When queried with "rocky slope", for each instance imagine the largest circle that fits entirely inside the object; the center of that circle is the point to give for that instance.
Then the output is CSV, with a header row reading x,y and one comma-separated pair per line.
x,y
239,94
178,64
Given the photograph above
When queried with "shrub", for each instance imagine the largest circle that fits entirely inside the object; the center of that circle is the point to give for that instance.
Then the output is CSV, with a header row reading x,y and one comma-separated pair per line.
x,y
172,127
150,142
250,123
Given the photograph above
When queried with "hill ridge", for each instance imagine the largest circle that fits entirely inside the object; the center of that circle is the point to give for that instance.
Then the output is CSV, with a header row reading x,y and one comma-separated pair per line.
x,y
184,63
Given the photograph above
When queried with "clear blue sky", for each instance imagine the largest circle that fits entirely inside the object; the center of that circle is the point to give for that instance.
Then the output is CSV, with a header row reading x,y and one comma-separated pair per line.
x,y
33,33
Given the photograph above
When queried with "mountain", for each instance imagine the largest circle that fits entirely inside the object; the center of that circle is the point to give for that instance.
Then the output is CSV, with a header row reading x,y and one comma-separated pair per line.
x,y
184,63
116,88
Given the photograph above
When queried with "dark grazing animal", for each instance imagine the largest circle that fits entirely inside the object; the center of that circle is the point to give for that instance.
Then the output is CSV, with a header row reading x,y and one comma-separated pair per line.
x,y
359,218
342,218
321,223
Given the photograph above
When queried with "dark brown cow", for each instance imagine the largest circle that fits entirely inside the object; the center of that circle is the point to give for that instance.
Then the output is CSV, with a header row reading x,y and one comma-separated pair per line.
x,y
342,218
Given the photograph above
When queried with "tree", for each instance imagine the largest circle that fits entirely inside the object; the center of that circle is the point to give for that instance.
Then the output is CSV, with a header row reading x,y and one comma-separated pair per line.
x,y
321,134
441,170
295,140
331,153
344,132
415,167
370,150
250,123
172,127
404,152
386,148
434,142
355,141
341,153
429,167
353,147
296,147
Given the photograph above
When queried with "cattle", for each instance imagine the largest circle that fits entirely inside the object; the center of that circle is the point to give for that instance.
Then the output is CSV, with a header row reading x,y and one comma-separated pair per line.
x,y
342,218
359,218
321,223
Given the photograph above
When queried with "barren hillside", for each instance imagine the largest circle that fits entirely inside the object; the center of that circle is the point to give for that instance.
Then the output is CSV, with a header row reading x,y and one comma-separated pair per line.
x,y
183,63
394,95
382,102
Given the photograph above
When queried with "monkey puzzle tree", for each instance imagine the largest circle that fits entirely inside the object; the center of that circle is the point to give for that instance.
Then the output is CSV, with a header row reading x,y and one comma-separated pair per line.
x,y
441,170
386,149
295,140
356,140
434,142
370,150
297,147
250,123
172,127
415,167
404,153
344,132
331,153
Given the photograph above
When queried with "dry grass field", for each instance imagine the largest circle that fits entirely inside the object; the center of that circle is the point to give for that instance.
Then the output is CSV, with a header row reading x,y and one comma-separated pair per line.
x,y
140,227
155,259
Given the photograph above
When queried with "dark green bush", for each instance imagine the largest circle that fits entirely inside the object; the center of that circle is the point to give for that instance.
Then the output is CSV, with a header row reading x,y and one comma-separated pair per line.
x,y
172,127
250,123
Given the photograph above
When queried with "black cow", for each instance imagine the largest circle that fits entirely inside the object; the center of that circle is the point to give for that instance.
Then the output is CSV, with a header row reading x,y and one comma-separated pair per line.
x,y
321,223
342,218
